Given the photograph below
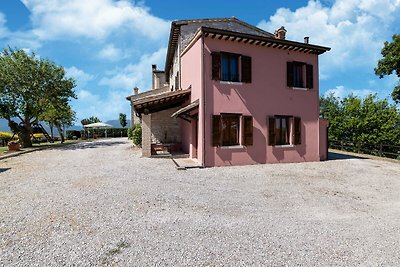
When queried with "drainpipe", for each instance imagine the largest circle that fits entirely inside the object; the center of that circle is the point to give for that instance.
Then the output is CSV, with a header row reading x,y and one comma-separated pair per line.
x,y
204,99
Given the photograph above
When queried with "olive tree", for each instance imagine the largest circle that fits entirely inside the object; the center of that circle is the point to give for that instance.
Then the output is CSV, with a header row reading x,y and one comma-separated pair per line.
x,y
29,86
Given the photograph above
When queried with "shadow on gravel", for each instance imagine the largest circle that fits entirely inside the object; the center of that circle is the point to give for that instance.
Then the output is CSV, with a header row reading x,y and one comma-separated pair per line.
x,y
339,156
4,169
87,145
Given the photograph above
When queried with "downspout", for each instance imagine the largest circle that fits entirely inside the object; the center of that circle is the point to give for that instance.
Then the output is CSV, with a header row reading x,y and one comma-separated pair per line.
x,y
204,99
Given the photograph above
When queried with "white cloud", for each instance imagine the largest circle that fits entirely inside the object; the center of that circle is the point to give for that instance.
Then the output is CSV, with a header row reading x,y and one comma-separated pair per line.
x,y
354,29
3,28
341,91
80,76
135,74
97,19
105,108
110,53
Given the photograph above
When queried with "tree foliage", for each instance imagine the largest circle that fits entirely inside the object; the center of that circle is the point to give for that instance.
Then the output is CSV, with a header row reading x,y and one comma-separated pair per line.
x,y
390,63
364,122
122,120
29,85
90,120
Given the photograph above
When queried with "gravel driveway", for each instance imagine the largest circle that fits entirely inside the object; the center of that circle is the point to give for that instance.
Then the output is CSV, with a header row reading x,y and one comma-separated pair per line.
x,y
100,203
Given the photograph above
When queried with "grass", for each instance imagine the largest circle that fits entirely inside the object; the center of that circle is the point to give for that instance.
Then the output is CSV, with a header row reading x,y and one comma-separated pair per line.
x,y
4,149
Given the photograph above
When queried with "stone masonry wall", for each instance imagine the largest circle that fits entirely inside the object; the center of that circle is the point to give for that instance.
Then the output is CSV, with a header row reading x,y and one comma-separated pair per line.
x,y
165,129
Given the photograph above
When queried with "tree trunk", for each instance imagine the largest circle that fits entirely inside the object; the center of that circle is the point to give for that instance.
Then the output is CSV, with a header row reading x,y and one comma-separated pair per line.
x,y
24,132
51,125
60,131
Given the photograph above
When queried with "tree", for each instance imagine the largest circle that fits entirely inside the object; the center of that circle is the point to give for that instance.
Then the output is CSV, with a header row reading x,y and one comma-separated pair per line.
x,y
59,116
90,120
364,122
28,86
390,63
122,119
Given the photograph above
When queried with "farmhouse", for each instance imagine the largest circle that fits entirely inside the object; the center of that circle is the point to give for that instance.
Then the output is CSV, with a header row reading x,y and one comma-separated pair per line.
x,y
233,94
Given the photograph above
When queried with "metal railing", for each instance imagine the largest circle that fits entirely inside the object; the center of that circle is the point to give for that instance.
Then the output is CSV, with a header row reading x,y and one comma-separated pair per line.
x,y
381,150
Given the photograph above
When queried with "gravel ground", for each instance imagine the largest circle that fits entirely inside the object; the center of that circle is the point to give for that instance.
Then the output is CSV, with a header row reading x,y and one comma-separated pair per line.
x,y
100,203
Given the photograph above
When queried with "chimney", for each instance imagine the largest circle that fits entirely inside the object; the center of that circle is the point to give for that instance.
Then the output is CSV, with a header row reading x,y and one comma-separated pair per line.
x,y
280,33
135,90
154,67
306,39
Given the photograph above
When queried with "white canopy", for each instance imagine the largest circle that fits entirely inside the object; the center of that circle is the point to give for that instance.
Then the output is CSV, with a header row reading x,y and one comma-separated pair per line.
x,y
97,125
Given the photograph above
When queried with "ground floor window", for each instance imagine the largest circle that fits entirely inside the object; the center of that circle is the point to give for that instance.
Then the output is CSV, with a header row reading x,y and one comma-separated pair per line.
x,y
284,130
227,129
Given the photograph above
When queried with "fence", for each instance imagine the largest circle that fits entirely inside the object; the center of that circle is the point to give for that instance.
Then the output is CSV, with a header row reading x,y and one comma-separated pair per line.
x,y
381,150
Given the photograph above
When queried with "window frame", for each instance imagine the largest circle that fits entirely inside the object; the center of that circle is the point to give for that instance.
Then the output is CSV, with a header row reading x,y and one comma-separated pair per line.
x,y
243,135
242,72
231,77
299,75
293,131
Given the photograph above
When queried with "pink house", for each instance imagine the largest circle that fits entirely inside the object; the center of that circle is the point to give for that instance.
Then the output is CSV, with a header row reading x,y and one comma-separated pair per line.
x,y
233,94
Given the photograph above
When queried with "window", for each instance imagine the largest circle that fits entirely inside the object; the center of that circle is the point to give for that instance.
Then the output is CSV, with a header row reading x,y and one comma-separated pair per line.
x,y
297,73
229,67
225,67
226,130
281,128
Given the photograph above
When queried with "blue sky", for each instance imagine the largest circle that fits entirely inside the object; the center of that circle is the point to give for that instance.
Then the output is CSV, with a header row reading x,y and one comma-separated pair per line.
x,y
108,46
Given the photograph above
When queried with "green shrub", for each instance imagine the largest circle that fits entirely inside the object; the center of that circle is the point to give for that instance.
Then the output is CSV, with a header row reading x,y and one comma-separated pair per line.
x,y
137,135
130,133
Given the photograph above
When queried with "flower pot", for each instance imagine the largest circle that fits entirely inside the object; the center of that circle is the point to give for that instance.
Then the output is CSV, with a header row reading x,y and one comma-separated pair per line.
x,y
13,147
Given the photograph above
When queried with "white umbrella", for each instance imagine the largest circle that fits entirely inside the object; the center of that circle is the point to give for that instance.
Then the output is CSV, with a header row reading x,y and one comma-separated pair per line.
x,y
98,125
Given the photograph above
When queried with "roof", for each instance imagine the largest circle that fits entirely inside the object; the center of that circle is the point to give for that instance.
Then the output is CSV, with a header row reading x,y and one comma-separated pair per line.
x,y
187,29
258,40
228,28
186,109
161,101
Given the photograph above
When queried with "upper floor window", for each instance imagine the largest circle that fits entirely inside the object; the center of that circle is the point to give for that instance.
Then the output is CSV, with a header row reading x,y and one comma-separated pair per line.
x,y
231,67
300,74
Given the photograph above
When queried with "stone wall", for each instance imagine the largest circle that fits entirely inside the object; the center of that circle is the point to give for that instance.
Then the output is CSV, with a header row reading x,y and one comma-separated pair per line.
x,y
165,129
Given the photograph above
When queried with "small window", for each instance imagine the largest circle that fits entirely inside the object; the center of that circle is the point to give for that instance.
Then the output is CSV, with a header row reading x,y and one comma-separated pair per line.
x,y
230,67
230,129
226,67
226,130
282,128
299,74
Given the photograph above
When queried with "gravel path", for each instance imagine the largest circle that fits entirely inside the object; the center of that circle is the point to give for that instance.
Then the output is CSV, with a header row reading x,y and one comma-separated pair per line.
x,y
100,204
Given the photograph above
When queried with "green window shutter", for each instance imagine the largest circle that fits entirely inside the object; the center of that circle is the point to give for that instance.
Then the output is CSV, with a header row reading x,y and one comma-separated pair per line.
x,y
247,134
216,130
246,69
216,66
271,131
309,76
297,131
289,74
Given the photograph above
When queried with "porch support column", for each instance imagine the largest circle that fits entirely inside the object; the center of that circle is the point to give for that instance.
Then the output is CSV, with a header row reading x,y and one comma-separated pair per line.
x,y
146,135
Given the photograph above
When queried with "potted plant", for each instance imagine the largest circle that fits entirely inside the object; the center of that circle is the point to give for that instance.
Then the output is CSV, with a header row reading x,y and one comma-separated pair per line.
x,y
13,145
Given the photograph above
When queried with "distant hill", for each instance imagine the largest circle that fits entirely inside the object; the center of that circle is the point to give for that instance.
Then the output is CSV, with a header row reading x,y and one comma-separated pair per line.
x,y
116,124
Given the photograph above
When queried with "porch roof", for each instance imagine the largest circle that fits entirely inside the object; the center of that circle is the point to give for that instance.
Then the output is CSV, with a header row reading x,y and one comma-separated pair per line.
x,y
158,102
185,110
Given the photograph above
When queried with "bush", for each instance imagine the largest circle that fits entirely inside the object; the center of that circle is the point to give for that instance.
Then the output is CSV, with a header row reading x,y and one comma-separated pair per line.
x,y
130,133
71,133
137,135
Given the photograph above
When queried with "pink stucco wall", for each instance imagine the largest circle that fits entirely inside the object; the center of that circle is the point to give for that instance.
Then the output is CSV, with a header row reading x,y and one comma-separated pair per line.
x,y
267,95
191,75
323,139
